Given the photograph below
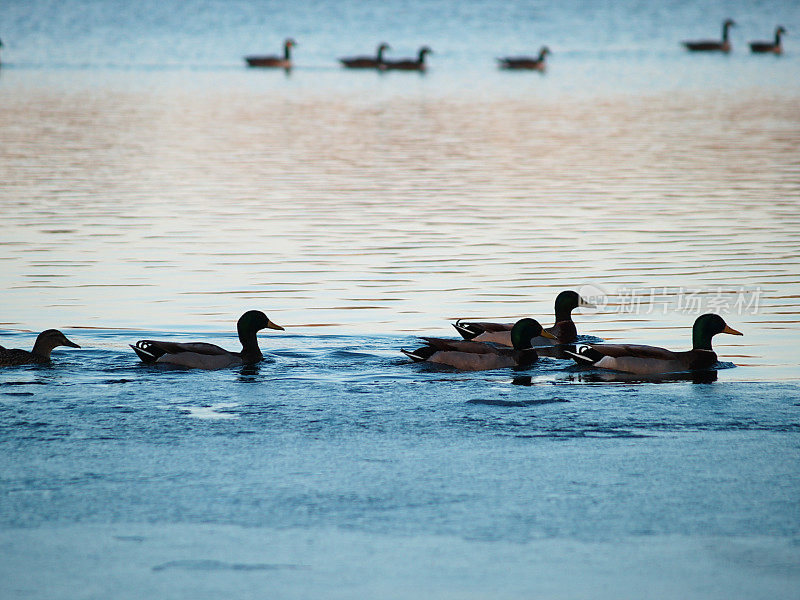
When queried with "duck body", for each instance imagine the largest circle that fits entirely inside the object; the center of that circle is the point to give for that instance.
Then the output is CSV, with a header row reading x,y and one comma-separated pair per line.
x,y
722,45
769,47
366,62
202,355
284,62
529,63
40,354
481,356
652,360
563,332
409,64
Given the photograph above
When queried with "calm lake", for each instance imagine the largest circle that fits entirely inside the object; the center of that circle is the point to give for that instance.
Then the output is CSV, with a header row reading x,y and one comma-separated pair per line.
x,y
152,186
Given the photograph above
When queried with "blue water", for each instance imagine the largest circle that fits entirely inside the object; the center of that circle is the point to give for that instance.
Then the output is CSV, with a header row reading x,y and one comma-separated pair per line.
x,y
154,187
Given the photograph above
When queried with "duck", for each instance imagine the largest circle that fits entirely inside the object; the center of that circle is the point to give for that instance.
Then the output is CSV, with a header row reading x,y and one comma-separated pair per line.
x,y
366,62
769,47
480,356
1,45
564,330
40,354
652,360
274,61
408,64
722,45
201,355
525,62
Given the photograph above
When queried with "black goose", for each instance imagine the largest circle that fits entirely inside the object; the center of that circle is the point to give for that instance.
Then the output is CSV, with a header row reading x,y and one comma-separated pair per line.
x,y
274,61
525,62
409,64
722,45
366,62
769,47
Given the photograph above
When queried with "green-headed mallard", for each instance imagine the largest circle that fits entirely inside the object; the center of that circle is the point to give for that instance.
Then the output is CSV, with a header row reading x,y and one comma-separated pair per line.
x,y
500,333
274,61
45,342
409,64
479,356
722,45
525,62
769,47
201,355
651,360
366,62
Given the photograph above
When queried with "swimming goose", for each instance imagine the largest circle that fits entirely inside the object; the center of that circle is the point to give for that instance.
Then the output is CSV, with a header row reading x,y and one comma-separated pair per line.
x,y
769,47
45,342
525,62
365,62
200,355
274,61
651,360
479,356
564,329
409,64
712,45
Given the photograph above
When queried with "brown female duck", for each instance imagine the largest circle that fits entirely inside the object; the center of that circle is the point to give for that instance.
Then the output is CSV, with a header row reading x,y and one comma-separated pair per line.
x,y
722,45
366,62
564,329
274,61
45,342
525,62
201,355
651,360
769,47
408,64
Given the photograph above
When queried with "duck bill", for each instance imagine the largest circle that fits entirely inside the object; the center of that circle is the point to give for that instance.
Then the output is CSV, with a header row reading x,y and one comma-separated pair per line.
x,y
548,335
586,303
69,343
731,330
271,325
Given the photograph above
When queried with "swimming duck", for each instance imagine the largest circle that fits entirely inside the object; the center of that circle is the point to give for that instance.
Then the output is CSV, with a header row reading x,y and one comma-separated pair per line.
x,y
712,45
564,330
769,47
366,62
479,356
274,61
525,62
45,342
651,360
200,355
408,64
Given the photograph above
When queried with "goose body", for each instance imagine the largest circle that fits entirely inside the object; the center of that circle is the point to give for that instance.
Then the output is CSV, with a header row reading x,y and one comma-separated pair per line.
x,y
366,62
202,355
409,64
40,354
769,47
563,332
525,62
722,45
652,360
284,62
480,356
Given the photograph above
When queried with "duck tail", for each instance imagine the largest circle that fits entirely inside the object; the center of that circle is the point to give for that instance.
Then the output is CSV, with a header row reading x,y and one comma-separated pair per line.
x,y
586,355
147,351
465,330
420,354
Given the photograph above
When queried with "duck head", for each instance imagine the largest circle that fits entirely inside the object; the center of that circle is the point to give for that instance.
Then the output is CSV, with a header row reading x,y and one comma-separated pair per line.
x,y
524,331
49,339
566,302
706,327
253,321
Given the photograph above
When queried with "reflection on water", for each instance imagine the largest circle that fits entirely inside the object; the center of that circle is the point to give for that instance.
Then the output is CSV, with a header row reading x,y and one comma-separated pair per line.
x,y
171,210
